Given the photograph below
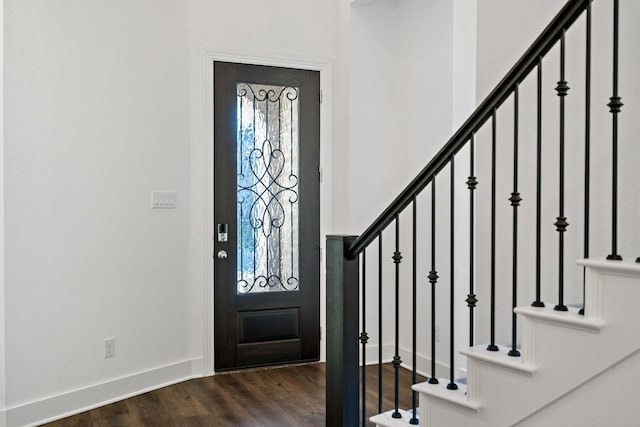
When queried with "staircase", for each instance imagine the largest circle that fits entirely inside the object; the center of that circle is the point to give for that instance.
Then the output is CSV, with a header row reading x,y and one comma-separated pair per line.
x,y
564,355
567,363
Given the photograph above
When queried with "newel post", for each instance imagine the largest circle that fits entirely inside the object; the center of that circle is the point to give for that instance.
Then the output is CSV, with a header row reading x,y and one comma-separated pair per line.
x,y
342,334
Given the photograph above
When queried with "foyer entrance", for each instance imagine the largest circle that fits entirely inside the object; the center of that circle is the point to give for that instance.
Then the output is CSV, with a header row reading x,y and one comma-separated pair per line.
x,y
266,212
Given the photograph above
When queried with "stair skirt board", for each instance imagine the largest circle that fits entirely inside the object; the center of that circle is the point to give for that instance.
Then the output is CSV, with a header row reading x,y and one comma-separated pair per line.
x,y
624,377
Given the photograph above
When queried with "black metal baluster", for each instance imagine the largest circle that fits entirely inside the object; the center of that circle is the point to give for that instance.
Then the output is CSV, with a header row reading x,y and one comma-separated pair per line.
x,y
414,419
492,345
364,337
538,301
433,279
379,323
515,200
561,221
452,384
615,105
472,184
397,361
587,152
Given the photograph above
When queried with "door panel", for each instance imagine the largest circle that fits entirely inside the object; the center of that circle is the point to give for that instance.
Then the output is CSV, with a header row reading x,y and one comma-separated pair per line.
x,y
266,209
268,325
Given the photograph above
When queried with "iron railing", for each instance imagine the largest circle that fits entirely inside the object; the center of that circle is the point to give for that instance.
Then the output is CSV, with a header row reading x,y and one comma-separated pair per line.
x,y
347,256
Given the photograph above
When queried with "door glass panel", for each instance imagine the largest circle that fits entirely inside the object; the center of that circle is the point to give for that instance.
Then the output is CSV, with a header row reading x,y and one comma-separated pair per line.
x,y
267,211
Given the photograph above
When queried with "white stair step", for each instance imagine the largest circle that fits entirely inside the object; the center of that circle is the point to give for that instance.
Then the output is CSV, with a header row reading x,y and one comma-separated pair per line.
x,y
386,420
569,319
500,358
620,268
441,392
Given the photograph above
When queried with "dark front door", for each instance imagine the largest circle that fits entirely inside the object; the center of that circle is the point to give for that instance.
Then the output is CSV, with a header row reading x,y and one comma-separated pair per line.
x,y
266,211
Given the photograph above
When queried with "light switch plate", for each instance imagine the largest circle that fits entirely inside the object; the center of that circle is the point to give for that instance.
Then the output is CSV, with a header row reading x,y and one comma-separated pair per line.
x,y
163,200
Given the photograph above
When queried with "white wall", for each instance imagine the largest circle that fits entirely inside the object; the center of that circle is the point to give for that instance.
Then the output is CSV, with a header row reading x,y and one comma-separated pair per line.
x,y
116,111
3,419
412,79
106,102
401,104
505,30
96,104
464,102
371,129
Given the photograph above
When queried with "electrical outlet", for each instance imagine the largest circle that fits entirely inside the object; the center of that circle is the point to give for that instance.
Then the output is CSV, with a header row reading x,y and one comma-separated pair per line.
x,y
109,347
437,333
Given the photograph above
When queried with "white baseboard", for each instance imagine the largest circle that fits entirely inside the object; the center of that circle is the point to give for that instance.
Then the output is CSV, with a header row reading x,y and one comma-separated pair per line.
x,y
197,368
423,362
86,398
373,356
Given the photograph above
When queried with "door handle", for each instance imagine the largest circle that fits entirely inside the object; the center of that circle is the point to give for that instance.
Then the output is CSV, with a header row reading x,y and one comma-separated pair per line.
x,y
222,254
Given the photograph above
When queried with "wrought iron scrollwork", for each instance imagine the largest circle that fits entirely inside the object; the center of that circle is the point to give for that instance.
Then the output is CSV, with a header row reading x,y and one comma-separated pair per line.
x,y
267,191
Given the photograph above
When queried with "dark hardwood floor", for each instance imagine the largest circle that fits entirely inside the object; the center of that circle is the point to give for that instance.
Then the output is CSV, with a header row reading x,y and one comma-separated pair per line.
x,y
278,397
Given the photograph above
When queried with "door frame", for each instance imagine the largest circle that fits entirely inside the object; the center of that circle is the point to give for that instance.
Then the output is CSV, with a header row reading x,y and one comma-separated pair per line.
x,y
325,67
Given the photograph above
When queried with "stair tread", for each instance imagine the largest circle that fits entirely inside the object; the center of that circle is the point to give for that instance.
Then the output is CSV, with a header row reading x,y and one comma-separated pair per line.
x,y
386,420
626,267
569,318
440,391
499,358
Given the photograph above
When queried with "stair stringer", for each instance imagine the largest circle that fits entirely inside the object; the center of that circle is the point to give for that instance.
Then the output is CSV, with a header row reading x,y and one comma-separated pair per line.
x,y
564,349
593,403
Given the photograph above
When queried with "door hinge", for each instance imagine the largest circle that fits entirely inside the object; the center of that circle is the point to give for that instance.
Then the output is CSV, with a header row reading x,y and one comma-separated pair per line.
x,y
320,96
320,333
320,173
320,252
